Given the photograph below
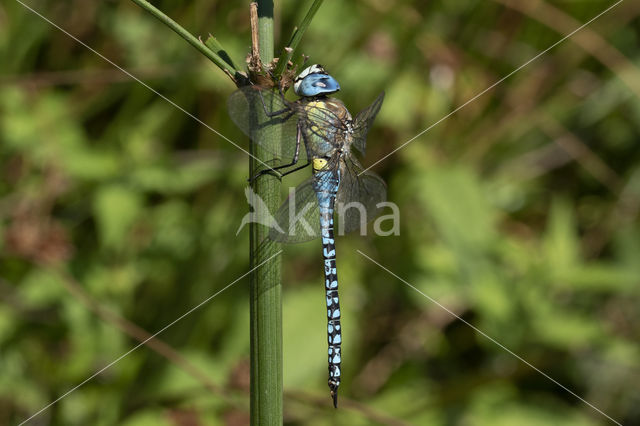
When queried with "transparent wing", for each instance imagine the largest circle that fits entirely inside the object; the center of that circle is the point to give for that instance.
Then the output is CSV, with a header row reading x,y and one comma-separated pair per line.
x,y
358,196
363,122
298,219
277,134
248,107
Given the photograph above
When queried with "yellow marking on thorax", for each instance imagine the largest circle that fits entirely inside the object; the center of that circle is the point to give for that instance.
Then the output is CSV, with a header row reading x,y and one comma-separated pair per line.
x,y
319,163
315,104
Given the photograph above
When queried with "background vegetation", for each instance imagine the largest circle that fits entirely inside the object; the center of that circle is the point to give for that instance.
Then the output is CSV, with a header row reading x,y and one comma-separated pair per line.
x,y
118,213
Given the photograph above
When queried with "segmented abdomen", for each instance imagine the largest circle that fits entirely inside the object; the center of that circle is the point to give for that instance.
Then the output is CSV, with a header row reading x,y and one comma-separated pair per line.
x,y
326,185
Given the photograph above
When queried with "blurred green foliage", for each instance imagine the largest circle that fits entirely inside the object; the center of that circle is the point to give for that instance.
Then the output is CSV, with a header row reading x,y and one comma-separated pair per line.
x,y
519,213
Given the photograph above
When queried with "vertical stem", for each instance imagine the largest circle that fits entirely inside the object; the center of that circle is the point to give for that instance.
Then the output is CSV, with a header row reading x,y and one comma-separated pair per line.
x,y
266,303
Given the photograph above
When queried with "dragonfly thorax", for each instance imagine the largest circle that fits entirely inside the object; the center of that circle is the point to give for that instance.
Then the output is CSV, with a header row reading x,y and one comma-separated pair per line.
x,y
327,126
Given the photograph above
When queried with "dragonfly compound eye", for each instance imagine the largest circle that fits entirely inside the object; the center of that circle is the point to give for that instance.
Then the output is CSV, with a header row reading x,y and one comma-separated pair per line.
x,y
314,81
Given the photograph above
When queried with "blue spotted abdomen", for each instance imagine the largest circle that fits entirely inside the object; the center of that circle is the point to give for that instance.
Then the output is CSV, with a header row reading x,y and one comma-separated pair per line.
x,y
326,185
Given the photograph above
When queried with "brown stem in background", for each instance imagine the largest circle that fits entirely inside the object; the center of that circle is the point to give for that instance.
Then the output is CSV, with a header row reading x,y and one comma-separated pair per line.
x,y
577,149
320,401
587,39
136,332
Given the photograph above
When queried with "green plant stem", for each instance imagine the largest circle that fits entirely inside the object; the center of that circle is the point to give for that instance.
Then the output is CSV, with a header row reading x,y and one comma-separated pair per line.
x,y
297,36
212,43
198,44
266,288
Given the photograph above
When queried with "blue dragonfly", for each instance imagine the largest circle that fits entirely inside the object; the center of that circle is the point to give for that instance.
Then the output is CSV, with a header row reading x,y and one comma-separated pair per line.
x,y
328,131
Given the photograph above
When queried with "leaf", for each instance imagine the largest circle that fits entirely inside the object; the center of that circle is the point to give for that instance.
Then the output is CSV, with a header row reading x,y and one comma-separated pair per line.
x,y
561,245
116,208
455,201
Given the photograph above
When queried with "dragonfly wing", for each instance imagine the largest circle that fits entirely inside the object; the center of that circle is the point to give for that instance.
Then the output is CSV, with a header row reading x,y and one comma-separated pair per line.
x,y
298,219
363,122
277,134
358,197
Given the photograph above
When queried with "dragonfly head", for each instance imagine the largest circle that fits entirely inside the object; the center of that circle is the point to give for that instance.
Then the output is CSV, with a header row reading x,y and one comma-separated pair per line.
x,y
314,81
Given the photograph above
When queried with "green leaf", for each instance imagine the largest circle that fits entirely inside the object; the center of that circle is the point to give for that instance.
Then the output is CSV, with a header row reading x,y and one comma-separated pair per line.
x,y
561,245
116,208
456,202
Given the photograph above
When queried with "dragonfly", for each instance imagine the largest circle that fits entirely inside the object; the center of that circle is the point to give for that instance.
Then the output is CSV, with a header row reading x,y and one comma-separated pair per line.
x,y
327,130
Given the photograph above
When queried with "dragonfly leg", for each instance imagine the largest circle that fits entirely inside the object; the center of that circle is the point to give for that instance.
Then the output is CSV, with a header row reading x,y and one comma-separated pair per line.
x,y
288,172
293,162
272,113
274,171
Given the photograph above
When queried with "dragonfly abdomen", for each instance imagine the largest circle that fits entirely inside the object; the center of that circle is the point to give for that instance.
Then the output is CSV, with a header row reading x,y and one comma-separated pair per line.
x,y
326,185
